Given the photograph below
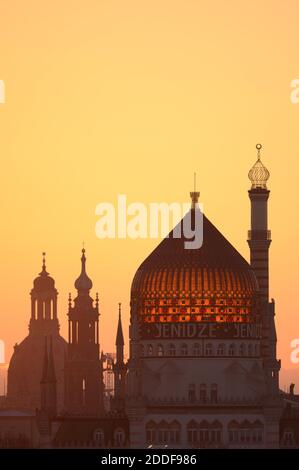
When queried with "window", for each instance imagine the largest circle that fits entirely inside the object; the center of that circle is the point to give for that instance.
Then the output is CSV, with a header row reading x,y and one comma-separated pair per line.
x,y
151,432
220,349
184,349
203,393
214,393
197,349
98,437
242,349
160,350
150,350
171,350
192,432
119,437
191,393
232,350
209,349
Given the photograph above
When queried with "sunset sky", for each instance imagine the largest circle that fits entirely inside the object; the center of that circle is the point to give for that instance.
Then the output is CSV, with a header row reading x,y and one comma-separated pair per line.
x,y
131,97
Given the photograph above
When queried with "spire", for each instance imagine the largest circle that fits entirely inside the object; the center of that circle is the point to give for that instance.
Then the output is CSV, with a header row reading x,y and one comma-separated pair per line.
x,y
83,284
258,174
194,194
45,364
51,376
119,335
44,270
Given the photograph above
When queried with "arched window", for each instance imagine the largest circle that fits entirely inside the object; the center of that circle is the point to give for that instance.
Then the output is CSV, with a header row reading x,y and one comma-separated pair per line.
x,y
192,432
150,350
119,437
220,349
197,349
171,350
232,350
203,393
98,437
151,432
160,350
242,349
191,393
184,349
174,432
214,393
249,349
209,349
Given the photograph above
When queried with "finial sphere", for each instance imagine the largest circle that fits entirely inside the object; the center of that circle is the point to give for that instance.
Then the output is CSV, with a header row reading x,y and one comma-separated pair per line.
x,y
258,146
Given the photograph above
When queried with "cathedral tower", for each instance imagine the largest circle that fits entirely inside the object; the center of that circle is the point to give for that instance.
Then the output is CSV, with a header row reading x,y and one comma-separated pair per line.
x,y
83,370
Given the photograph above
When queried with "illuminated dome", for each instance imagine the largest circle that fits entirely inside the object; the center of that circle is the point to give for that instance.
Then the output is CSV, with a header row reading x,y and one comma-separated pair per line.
x,y
212,283
259,174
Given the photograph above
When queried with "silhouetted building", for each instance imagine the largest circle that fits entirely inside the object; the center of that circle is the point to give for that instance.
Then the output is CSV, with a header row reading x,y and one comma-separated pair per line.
x,y
119,369
83,367
111,430
25,368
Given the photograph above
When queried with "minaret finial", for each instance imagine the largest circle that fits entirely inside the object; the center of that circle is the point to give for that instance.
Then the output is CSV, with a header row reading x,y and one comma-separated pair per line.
x,y
259,148
119,309
194,194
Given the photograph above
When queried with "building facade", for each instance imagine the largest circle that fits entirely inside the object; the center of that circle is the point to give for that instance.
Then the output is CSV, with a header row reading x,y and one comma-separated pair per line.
x,y
203,370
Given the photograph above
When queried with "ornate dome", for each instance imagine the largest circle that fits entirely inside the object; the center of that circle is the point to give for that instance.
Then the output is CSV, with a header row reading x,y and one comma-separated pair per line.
x,y
212,283
259,174
83,283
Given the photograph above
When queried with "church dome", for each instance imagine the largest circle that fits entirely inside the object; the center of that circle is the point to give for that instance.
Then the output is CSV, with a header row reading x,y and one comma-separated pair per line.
x,y
83,283
211,283
44,282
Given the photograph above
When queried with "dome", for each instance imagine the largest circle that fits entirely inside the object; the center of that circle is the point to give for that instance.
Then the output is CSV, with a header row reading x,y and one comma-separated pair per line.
x,y
44,282
212,283
25,371
83,283
259,174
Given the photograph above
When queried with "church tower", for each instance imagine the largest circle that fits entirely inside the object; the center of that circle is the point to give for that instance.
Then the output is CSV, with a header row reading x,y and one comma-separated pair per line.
x,y
83,369
119,368
26,364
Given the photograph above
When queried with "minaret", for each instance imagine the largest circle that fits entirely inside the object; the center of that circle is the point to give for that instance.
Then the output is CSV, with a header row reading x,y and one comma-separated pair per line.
x,y
83,369
259,237
44,304
259,240
119,367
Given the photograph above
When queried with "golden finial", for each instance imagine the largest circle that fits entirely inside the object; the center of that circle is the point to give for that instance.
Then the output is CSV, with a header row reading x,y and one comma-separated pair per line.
x,y
258,174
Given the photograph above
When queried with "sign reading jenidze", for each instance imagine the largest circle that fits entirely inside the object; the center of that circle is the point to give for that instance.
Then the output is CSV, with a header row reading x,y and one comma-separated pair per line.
x,y
200,330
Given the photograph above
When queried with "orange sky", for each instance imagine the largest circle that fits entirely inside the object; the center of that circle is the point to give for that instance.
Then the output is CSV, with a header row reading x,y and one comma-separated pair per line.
x,y
131,97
